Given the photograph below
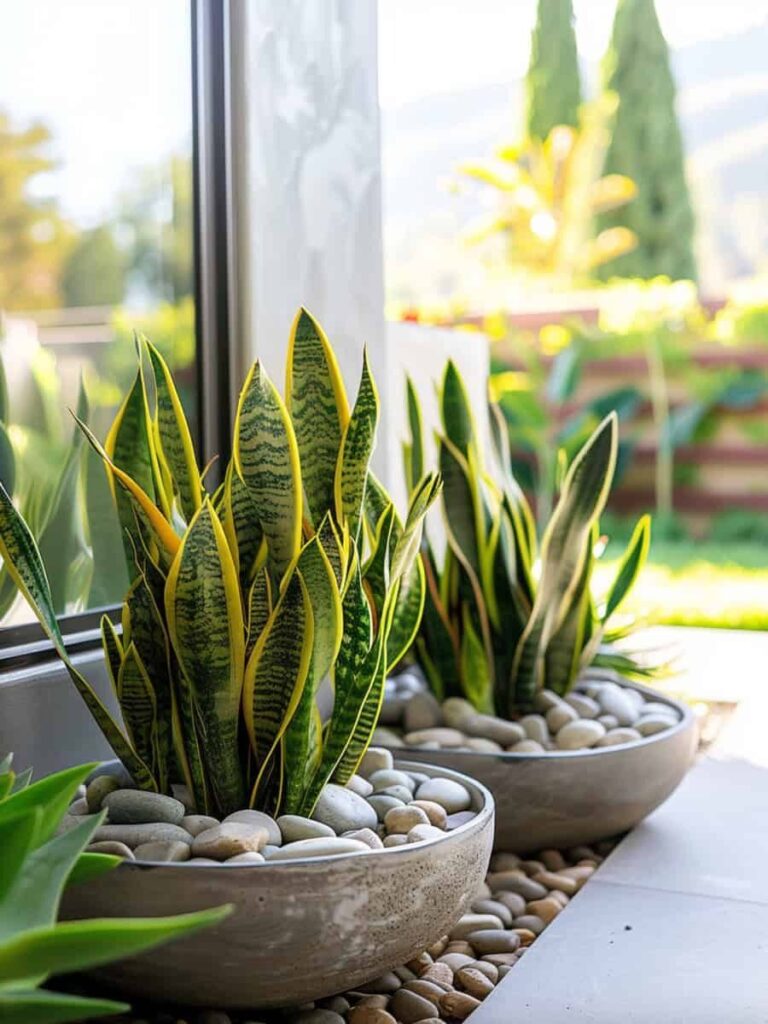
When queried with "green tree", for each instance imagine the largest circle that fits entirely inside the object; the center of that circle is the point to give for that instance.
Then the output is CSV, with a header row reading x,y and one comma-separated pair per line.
x,y
94,272
34,239
552,84
647,146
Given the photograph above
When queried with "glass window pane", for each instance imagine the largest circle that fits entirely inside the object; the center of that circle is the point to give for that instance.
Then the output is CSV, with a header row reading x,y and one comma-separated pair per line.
x,y
96,240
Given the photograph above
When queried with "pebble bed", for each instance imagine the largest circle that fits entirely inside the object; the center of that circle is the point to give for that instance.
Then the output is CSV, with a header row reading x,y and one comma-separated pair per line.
x,y
597,713
379,808
450,980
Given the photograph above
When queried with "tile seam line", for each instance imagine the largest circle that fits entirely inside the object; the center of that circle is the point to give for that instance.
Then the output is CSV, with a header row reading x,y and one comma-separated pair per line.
x,y
681,892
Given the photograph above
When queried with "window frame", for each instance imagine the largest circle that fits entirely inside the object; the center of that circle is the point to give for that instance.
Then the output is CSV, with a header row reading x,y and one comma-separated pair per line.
x,y
214,292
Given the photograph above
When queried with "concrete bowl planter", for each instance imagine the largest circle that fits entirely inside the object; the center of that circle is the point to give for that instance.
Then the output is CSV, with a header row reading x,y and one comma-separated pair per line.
x,y
564,798
301,929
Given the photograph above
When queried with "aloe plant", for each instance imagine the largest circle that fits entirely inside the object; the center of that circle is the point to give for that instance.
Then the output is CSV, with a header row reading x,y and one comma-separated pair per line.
x,y
242,601
503,619
38,862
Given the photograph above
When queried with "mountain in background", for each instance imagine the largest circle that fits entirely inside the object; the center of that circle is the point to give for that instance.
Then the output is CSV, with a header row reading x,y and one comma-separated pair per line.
x,y
723,107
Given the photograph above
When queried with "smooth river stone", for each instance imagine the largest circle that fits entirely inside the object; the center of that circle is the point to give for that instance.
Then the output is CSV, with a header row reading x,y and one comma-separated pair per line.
x,y
398,792
135,835
367,836
294,828
614,701
655,707
251,857
113,848
421,833
96,790
441,735
584,732
381,803
474,922
584,706
342,810
449,794
170,852
493,940
497,729
197,823
324,847
546,699
400,820
535,728
422,711
482,745
136,807
615,737
649,725
227,840
386,777
558,716
496,908
375,759
259,820
360,786
526,747
436,815
456,711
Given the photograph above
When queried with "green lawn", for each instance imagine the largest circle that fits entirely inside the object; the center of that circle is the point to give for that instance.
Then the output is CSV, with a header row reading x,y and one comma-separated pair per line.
x,y
687,583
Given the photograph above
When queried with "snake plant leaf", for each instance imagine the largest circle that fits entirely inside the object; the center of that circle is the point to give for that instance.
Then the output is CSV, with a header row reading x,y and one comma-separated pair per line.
x,y
478,680
138,703
335,547
38,1006
376,577
5,409
563,551
632,562
259,608
239,517
455,410
376,500
20,554
409,539
351,682
563,653
267,458
175,447
113,650
407,614
355,453
139,505
77,945
318,405
205,624
277,672
416,445
514,497
7,461
460,504
438,642
302,739
109,578
161,474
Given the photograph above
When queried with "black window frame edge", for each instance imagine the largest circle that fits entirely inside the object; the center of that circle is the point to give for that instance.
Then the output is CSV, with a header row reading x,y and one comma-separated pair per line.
x,y
213,231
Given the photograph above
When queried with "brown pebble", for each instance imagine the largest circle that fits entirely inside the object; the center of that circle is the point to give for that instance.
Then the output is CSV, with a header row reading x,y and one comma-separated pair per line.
x,y
579,874
489,970
532,867
404,974
504,861
439,972
367,1014
547,909
509,881
458,1004
531,922
387,982
582,852
455,960
112,847
436,814
474,981
526,936
513,901
458,946
504,970
426,989
587,862
409,1007
500,959
492,940
552,860
496,908
420,963
562,899
552,880
376,1001
437,947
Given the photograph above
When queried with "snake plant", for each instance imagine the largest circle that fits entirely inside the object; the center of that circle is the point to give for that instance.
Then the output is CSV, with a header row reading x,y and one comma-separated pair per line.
x,y
502,619
38,861
243,600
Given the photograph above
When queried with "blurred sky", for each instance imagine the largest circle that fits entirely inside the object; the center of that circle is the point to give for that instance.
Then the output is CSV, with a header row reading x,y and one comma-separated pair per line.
x,y
434,46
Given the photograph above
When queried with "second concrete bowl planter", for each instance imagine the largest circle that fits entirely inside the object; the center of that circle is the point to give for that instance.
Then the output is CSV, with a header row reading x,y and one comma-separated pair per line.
x,y
564,798
301,929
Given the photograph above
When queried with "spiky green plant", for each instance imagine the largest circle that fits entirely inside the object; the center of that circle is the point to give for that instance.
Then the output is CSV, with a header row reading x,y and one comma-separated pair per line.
x,y
242,601
501,620
36,866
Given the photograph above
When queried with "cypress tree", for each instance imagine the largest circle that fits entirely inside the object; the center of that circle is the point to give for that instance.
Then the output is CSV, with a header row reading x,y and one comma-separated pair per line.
x,y
552,84
647,146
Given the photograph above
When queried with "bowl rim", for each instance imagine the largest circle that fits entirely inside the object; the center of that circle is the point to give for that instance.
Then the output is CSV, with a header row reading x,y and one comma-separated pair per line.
x,y
484,815
685,722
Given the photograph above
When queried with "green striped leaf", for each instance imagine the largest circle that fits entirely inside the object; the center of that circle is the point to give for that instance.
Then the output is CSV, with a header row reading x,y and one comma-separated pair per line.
x,y
563,653
334,547
630,567
459,504
355,453
113,650
109,579
416,445
409,537
259,609
301,743
563,551
7,461
376,570
138,704
352,678
376,500
175,440
22,559
267,459
317,402
476,676
205,624
455,410
277,672
239,517
514,495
